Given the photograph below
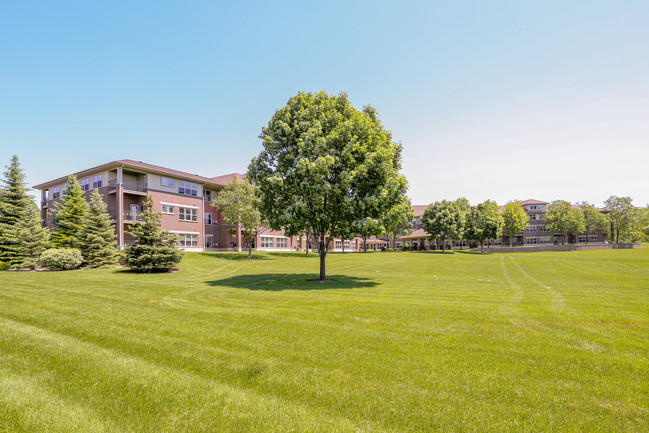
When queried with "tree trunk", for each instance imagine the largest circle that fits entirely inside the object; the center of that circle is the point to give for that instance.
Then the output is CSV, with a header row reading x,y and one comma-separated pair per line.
x,y
443,245
250,249
343,242
365,244
322,250
481,247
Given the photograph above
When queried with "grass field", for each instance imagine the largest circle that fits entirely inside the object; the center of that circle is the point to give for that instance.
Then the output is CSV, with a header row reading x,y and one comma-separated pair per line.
x,y
400,342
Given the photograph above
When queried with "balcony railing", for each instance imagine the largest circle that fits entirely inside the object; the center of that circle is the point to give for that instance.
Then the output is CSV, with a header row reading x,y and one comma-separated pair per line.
x,y
132,216
131,185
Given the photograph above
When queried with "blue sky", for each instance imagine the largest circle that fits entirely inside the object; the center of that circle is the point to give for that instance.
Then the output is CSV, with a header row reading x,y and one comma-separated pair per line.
x,y
491,100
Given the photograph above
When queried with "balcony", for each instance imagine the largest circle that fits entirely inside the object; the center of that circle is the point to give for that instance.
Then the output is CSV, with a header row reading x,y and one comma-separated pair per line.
x,y
136,186
132,217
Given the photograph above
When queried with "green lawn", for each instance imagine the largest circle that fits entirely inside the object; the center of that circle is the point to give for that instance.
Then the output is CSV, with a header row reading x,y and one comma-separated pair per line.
x,y
400,342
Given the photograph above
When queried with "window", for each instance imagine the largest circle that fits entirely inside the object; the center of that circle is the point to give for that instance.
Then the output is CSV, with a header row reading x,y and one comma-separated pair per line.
x,y
96,181
187,214
533,216
533,207
187,188
346,243
208,241
167,181
282,242
532,241
545,240
543,229
168,209
531,228
266,242
208,218
187,240
498,241
56,192
85,184
582,239
592,238
339,245
207,195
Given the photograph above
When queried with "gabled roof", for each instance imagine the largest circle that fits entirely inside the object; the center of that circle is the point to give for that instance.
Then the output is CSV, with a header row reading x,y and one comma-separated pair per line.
x,y
419,209
137,165
533,201
227,178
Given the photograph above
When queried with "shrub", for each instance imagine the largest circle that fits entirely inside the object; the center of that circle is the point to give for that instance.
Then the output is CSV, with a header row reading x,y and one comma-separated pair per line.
x,y
4,266
370,250
148,258
390,250
61,258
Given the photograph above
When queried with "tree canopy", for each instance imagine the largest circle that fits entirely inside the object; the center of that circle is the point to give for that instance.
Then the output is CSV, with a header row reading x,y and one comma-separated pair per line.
x,y
484,223
561,217
516,220
324,166
445,219
621,213
68,215
239,205
594,220
97,235
398,220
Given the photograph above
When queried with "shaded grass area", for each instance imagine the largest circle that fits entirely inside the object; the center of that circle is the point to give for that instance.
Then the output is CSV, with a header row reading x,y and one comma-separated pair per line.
x,y
398,342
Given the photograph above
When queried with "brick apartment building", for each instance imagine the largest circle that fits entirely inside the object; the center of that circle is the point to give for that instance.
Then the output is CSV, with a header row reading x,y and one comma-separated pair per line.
x,y
182,198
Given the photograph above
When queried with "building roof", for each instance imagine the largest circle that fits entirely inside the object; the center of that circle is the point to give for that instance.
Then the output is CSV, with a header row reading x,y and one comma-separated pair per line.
x,y
533,201
227,178
419,209
139,165
419,233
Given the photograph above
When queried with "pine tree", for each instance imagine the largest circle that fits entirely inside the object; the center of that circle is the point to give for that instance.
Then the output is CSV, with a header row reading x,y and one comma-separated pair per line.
x,y
154,249
97,235
68,215
31,238
13,202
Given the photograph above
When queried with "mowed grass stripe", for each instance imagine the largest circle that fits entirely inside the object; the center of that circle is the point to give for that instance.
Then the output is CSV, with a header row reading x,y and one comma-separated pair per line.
x,y
426,343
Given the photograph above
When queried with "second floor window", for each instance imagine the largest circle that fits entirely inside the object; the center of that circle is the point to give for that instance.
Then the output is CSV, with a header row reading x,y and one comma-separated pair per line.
x,y
207,194
187,214
56,192
208,218
85,184
187,188
97,181
167,181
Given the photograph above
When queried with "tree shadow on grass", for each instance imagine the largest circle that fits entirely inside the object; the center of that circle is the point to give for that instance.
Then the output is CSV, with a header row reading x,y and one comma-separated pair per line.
x,y
236,256
279,282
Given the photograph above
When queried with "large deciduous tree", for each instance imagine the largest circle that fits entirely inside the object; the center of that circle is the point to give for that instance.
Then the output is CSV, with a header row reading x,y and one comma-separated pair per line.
x,y
444,219
239,205
326,164
516,220
68,215
621,213
398,220
594,220
484,223
561,217
154,249
97,235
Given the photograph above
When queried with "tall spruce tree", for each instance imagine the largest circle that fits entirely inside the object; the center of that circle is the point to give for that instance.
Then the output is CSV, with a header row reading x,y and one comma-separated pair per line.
x,y
31,238
68,215
97,235
13,202
154,249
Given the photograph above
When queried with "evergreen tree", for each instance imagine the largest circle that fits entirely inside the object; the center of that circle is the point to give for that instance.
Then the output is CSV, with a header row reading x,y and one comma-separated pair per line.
x,y
68,215
154,249
31,238
13,202
97,235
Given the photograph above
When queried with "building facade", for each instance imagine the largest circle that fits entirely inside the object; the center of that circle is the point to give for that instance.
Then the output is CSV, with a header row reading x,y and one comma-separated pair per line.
x,y
182,198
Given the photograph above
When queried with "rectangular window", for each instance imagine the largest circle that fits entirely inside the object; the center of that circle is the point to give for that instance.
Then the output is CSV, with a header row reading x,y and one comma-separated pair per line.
x,y
532,241
282,242
97,181
498,241
543,229
592,238
187,214
266,242
339,245
168,209
167,181
531,228
582,239
347,244
207,195
208,241
533,216
187,240
208,218
545,240
187,188
85,184
56,192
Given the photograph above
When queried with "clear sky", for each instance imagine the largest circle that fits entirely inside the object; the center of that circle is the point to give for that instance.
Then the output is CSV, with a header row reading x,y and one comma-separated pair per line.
x,y
492,100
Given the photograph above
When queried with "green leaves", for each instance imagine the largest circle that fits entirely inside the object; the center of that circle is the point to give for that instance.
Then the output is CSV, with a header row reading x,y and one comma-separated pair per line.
x,y
515,218
68,215
445,219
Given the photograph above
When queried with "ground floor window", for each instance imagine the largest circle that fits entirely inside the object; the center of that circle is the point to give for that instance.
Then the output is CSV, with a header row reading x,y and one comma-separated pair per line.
x,y
339,245
347,244
282,242
498,241
532,241
187,240
266,242
545,240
